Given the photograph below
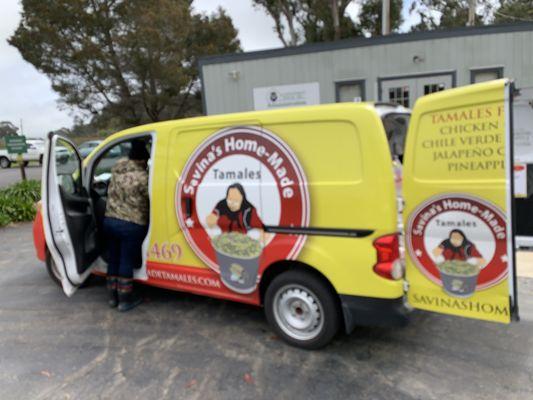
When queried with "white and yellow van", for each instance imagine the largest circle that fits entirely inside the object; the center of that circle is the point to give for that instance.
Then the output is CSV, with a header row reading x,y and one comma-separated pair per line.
x,y
313,236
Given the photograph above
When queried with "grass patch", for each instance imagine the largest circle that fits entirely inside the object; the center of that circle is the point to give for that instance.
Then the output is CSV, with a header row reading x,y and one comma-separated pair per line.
x,y
17,202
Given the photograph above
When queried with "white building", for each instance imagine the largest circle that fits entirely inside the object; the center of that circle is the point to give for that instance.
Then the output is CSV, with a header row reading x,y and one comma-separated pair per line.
x,y
397,68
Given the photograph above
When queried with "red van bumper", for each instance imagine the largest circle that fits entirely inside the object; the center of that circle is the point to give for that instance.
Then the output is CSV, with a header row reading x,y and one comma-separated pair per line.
x,y
38,235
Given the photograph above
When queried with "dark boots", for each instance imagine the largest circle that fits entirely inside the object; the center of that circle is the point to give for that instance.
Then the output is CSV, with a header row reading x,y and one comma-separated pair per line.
x,y
112,291
127,297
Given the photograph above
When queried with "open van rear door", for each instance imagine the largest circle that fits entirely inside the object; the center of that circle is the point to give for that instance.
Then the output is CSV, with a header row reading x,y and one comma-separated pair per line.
x,y
458,192
69,224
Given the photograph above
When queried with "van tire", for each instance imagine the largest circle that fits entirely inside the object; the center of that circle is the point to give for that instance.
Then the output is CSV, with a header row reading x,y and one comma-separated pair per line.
x,y
5,162
51,268
302,309
41,159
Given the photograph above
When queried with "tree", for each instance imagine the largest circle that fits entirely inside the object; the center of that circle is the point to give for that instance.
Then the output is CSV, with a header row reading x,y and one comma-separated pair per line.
x,y
285,16
435,14
8,129
371,16
305,21
135,60
308,21
514,11
327,20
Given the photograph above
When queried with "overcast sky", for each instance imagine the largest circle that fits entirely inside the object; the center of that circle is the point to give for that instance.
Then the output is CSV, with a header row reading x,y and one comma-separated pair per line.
x,y
27,94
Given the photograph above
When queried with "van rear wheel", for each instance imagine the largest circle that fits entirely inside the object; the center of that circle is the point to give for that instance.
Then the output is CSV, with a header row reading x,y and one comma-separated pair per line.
x,y
302,309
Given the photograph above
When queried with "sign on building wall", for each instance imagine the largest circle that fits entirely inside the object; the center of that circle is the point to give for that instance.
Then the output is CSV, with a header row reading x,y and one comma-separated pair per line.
x,y
273,97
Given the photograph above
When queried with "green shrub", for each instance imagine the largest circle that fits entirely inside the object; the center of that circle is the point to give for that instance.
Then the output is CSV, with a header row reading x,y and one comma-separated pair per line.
x,y
17,202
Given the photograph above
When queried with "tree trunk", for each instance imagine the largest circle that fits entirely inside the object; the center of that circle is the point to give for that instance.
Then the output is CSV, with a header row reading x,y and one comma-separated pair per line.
x,y
290,23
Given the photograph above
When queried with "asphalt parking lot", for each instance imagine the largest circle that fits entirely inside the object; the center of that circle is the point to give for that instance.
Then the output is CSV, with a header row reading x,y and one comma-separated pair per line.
x,y
178,345
11,175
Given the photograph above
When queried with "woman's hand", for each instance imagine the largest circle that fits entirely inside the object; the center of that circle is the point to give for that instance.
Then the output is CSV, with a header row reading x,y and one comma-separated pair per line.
x,y
477,261
437,252
439,259
211,220
264,237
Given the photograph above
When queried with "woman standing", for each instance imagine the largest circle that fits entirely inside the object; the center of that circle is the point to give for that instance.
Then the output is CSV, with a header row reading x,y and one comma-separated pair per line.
x,y
126,224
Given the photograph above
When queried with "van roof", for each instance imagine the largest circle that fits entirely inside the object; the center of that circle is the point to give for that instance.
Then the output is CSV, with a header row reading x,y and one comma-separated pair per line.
x,y
251,115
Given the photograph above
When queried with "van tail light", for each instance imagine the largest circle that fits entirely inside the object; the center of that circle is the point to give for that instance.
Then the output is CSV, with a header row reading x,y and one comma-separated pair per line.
x,y
389,265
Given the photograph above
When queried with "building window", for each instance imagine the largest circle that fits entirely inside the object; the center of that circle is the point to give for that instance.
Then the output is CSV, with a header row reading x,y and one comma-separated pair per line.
x,y
348,91
433,87
399,95
485,74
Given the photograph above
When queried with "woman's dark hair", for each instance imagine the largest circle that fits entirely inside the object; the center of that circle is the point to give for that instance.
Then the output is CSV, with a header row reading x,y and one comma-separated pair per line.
x,y
466,245
460,232
246,207
138,150
239,187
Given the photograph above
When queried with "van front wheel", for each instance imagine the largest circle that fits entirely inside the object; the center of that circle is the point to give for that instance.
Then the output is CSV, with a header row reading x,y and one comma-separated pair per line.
x,y
302,309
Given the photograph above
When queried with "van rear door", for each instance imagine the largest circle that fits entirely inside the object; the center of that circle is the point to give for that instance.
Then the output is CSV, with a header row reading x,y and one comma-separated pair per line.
x,y
458,192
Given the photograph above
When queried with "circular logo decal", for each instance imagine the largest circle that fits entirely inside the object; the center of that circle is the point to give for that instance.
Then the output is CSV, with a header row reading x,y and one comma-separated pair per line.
x,y
459,242
239,182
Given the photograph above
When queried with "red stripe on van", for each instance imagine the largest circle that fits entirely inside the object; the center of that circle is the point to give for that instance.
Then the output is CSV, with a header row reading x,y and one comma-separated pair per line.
x,y
202,281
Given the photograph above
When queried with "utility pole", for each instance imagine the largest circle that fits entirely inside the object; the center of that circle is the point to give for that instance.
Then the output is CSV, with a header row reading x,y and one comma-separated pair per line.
x,y
385,17
471,13
336,20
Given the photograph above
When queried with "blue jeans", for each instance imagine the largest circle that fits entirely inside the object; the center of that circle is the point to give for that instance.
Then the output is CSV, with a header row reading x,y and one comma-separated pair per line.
x,y
124,240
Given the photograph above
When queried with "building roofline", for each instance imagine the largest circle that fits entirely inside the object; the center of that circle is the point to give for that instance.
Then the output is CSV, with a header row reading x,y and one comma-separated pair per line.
x,y
365,42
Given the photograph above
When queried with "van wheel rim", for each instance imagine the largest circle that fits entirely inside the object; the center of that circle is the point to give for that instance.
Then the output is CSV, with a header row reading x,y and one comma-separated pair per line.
x,y
3,163
298,312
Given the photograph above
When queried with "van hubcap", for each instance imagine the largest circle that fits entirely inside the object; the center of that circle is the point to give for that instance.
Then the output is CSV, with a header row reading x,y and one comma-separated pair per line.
x,y
298,312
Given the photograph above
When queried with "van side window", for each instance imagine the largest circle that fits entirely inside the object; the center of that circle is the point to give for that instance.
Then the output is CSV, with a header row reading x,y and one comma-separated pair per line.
x,y
67,167
110,158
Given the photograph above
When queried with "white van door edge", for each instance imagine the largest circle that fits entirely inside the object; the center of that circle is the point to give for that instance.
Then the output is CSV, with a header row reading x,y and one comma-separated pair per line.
x,y
68,220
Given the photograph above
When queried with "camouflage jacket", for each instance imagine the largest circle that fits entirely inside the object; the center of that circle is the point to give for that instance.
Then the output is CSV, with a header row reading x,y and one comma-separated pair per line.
x,y
127,195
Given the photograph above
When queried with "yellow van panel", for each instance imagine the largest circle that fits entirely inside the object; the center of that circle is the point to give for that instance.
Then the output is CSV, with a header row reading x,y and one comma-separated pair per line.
x,y
455,191
342,169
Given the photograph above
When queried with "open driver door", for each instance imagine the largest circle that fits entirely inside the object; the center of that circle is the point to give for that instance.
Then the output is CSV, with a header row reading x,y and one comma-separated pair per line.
x,y
458,192
68,219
